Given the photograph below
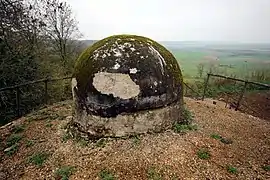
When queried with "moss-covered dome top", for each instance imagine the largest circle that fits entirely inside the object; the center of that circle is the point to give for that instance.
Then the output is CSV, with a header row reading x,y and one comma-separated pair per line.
x,y
126,73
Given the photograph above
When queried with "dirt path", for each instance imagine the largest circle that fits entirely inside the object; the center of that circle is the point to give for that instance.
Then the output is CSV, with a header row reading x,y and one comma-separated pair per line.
x,y
168,155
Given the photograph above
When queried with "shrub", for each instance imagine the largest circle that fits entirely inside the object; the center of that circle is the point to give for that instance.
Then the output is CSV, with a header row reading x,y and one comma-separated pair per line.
x,y
266,168
82,142
29,143
13,139
101,143
152,174
39,158
216,136
203,154
187,116
106,175
183,128
64,172
136,140
232,169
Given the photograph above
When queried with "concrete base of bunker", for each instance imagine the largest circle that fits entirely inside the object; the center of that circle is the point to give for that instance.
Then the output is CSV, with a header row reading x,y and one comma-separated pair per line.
x,y
148,121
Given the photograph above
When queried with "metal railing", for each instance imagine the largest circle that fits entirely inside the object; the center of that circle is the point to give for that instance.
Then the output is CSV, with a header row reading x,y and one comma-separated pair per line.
x,y
241,95
187,87
18,95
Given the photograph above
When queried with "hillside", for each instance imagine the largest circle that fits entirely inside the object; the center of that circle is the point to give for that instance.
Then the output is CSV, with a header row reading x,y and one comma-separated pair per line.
x,y
226,145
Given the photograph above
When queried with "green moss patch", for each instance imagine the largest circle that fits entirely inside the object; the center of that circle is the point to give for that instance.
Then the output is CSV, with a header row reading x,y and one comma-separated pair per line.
x,y
85,65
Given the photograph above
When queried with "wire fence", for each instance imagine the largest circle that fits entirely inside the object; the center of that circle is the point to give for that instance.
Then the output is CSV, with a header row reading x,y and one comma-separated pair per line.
x,y
18,100
247,96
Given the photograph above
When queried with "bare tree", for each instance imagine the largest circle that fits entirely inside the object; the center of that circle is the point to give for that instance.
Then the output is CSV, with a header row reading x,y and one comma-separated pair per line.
x,y
61,28
200,69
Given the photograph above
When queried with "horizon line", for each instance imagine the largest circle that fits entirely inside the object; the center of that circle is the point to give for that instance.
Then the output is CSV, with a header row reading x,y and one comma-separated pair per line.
x,y
208,41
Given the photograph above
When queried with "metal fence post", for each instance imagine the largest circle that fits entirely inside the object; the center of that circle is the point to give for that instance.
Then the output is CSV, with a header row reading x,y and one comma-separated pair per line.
x,y
46,90
205,86
18,101
241,96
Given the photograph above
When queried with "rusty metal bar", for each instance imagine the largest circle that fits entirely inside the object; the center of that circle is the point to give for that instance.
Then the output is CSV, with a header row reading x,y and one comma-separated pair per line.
x,y
205,86
241,80
241,96
33,82
187,86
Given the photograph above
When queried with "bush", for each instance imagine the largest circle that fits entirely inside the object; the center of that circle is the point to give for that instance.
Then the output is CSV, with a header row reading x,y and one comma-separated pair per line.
x,y
203,154
183,128
216,136
232,169
39,158
187,116
106,175
152,174
64,172
13,139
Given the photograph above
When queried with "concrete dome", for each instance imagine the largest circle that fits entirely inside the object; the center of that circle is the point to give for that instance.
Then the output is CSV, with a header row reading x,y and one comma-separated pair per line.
x,y
122,75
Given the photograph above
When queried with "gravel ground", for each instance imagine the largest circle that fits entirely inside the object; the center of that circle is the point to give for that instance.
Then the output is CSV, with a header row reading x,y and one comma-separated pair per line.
x,y
230,138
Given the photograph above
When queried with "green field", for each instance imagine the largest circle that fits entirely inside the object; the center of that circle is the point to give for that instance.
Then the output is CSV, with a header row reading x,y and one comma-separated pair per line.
x,y
229,62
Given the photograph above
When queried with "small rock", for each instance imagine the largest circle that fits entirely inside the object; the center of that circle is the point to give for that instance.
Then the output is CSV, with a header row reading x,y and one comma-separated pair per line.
x,y
230,155
226,141
69,118
8,149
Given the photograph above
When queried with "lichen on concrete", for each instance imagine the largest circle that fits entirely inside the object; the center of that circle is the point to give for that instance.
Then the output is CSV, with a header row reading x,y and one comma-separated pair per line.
x,y
125,74
86,62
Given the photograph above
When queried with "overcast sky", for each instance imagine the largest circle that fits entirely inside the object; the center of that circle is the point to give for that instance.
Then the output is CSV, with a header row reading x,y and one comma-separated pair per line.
x,y
179,20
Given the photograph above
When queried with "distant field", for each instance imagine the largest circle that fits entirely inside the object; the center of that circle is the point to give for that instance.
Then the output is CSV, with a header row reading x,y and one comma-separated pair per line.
x,y
226,61
188,61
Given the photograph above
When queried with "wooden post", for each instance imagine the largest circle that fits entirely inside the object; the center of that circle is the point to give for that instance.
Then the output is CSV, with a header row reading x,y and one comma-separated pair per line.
x,y
205,86
18,101
241,96
46,91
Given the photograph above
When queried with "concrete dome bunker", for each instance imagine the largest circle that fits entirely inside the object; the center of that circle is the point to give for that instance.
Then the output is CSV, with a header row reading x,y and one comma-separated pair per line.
x,y
125,85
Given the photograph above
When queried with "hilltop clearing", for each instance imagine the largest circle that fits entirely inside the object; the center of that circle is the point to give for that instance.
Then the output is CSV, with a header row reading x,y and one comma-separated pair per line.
x,y
225,144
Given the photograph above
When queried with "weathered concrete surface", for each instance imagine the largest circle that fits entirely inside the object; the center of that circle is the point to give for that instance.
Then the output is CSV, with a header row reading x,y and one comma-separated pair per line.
x,y
117,84
156,120
126,84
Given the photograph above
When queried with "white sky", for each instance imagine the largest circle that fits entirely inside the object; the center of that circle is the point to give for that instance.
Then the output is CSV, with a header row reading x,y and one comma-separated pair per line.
x,y
178,20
